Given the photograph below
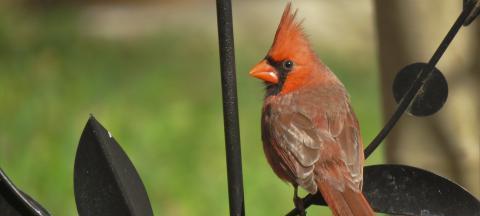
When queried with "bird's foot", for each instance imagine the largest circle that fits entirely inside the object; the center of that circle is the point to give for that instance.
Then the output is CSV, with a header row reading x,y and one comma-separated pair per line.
x,y
299,203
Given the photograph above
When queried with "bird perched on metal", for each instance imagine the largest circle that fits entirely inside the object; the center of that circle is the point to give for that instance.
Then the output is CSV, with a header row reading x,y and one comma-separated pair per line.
x,y
311,137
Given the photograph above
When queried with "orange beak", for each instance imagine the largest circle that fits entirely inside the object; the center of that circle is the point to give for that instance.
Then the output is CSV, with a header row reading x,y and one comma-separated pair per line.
x,y
264,72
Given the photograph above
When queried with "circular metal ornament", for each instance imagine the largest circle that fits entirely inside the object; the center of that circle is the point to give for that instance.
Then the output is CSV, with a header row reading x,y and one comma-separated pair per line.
x,y
430,97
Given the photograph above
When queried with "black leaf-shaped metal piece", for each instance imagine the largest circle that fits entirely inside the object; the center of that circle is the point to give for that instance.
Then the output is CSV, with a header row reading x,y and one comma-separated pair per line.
x,y
406,190
105,180
431,96
14,202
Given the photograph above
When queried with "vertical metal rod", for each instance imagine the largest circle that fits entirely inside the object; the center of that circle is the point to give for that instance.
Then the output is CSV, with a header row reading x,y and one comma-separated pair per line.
x,y
230,107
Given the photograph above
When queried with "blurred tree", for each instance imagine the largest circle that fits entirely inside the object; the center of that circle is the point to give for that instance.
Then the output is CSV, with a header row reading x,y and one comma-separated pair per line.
x,y
446,143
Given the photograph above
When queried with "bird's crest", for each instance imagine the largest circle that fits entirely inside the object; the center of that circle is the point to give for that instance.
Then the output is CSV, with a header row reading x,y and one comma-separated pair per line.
x,y
289,39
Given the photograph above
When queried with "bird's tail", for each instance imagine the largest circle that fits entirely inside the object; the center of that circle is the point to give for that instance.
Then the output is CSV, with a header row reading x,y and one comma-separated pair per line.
x,y
346,203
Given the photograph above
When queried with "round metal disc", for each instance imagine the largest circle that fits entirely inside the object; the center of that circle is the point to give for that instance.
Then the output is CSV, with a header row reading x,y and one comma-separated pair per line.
x,y
431,96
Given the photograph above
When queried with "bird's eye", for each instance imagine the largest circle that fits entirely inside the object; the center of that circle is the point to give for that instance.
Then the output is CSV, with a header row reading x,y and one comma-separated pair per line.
x,y
287,65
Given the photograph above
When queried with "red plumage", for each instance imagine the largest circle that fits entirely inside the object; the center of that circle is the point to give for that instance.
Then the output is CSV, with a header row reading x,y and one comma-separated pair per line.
x,y
310,134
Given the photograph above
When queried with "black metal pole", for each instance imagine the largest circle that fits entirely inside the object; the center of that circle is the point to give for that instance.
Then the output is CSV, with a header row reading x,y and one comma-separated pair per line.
x,y
230,107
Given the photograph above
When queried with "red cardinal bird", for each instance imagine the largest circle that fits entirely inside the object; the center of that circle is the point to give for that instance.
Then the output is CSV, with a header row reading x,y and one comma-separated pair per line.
x,y
311,137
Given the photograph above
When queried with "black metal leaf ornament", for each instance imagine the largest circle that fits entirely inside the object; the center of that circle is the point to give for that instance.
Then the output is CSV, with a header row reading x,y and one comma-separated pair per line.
x,y
405,190
105,180
14,202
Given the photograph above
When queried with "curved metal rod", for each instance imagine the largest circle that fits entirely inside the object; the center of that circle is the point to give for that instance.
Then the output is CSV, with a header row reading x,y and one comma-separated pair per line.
x,y
409,96
424,74
475,12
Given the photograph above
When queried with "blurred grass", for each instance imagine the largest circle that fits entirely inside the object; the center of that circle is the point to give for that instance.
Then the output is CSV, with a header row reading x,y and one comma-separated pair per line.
x,y
159,96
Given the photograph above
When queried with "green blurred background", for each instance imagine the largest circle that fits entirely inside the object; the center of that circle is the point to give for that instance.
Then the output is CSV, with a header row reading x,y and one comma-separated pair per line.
x,y
149,72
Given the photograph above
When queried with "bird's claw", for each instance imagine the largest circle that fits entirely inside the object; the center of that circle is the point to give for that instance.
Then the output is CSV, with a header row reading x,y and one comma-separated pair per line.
x,y
298,202
299,205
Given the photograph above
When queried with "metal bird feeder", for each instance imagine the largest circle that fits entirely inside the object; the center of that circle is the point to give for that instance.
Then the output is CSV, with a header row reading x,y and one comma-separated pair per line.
x,y
107,183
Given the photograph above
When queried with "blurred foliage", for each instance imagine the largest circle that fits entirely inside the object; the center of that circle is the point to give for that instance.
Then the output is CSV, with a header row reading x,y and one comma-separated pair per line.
x,y
159,96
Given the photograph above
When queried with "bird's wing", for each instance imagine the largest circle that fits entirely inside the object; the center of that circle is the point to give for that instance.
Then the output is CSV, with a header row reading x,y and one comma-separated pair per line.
x,y
329,107
315,143
344,129
298,143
